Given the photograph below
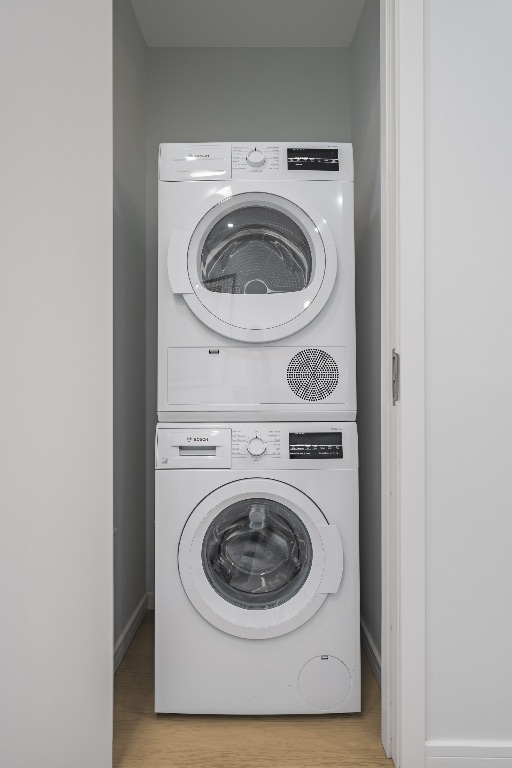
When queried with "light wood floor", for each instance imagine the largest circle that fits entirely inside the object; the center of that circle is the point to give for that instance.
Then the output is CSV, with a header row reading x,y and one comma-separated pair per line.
x,y
143,739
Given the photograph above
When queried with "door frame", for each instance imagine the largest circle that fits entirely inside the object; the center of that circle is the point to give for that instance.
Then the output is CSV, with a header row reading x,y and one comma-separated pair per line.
x,y
403,424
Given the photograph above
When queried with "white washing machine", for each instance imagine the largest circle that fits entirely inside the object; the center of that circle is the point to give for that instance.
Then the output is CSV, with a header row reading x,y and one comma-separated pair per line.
x,y
256,282
257,568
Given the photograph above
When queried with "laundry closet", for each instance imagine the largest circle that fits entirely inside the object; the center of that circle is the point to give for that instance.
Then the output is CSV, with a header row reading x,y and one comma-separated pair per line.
x,y
446,64
200,94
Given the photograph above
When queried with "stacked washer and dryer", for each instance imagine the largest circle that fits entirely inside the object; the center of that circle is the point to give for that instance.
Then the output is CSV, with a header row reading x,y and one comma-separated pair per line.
x,y
257,562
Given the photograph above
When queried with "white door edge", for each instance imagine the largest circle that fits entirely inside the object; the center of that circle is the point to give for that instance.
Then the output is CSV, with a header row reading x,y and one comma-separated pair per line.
x,y
403,425
388,330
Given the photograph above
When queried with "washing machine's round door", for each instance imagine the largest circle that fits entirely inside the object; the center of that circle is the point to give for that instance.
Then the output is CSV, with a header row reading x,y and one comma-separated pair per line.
x,y
257,558
260,267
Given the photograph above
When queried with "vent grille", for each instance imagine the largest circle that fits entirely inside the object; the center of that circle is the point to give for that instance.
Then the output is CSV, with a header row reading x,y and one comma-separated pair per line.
x,y
312,374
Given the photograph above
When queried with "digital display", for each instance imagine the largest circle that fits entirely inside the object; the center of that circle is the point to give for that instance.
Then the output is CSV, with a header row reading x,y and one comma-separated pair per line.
x,y
316,445
304,159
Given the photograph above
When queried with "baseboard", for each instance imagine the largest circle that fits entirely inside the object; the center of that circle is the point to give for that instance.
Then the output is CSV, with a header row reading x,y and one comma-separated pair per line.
x,y
371,652
469,754
151,601
129,631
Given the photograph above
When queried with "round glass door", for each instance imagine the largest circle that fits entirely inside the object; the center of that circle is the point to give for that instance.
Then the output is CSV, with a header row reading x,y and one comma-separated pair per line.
x,y
257,553
260,267
253,557
256,249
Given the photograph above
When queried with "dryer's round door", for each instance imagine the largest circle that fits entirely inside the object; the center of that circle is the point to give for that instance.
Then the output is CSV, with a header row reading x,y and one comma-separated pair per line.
x,y
260,267
257,558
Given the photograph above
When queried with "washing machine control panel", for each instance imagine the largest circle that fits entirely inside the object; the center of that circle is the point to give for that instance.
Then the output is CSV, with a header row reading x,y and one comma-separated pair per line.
x,y
265,446
256,443
294,446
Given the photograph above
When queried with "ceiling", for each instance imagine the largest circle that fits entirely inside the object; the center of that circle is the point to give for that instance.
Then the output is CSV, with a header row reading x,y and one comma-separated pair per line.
x,y
248,23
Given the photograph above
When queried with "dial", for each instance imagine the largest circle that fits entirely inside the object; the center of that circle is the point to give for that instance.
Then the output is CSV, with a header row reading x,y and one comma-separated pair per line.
x,y
256,446
256,158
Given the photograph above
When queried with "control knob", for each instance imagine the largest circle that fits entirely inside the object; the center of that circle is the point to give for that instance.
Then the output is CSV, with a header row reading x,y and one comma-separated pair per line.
x,y
256,446
256,158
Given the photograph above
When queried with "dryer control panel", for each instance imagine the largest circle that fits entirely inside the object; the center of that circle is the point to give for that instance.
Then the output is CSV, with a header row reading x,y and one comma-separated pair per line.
x,y
294,445
299,160
259,158
265,160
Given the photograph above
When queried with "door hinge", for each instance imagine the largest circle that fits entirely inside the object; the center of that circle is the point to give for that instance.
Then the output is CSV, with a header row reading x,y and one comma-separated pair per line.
x,y
395,378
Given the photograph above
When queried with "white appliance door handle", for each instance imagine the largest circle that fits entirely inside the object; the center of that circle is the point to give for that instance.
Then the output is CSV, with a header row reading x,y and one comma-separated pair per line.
x,y
177,261
333,559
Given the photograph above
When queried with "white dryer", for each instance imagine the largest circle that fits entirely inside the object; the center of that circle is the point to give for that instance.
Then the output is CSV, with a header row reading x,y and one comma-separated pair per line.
x,y
256,282
257,568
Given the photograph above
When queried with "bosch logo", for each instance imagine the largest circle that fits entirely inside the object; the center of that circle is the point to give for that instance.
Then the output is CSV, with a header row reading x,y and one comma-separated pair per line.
x,y
197,156
197,439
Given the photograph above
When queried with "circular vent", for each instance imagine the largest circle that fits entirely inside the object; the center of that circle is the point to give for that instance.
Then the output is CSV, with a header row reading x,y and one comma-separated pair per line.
x,y
312,374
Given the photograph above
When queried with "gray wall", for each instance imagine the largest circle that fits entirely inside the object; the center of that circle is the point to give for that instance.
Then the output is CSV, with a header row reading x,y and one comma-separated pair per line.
x,y
129,96
365,89
56,384
230,94
468,166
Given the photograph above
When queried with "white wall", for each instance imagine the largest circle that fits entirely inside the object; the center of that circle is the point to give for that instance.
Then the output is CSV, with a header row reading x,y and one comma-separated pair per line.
x,y
56,385
365,111
469,374
232,94
129,97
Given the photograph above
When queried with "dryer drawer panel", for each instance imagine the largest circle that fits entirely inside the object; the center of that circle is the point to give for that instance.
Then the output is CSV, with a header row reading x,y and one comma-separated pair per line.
x,y
205,375
245,376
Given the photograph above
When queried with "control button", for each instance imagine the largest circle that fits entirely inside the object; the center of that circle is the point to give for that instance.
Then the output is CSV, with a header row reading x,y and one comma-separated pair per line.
x,y
256,446
256,158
